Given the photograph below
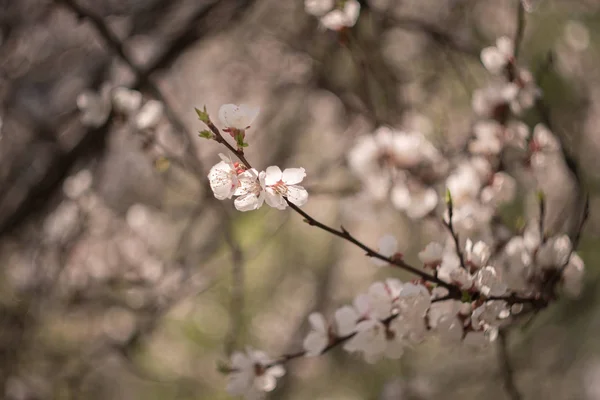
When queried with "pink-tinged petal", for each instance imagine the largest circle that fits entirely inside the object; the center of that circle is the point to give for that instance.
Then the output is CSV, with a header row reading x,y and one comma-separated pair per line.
x,y
493,59
248,202
273,175
239,360
265,382
315,343
362,305
505,46
345,319
297,195
291,176
277,371
334,20
352,11
274,199
317,321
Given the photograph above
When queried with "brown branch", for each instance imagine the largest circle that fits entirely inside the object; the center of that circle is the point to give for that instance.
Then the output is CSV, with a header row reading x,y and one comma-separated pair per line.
x,y
506,367
450,225
142,77
342,232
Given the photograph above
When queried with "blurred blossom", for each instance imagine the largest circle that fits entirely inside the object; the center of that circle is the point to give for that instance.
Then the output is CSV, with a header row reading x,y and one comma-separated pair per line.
x,y
150,115
61,224
95,108
576,35
318,8
76,185
343,17
137,217
126,101
119,324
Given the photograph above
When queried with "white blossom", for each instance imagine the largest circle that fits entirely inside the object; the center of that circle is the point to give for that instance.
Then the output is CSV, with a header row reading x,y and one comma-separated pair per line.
x,y
251,373
487,138
239,117
318,338
250,191
489,283
502,190
525,93
554,253
318,8
496,58
94,107
223,178
417,201
486,101
477,254
280,185
572,278
432,254
345,17
149,115
125,100
387,247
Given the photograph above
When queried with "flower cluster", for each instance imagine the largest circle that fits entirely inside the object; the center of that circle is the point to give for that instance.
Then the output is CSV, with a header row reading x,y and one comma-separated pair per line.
x,y
96,107
334,15
253,188
252,373
472,284
530,261
398,165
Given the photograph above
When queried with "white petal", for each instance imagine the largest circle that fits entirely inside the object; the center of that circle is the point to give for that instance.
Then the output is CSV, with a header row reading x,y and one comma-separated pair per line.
x,y
150,114
273,175
493,59
239,117
275,199
432,253
318,323
297,195
318,8
249,202
352,11
315,343
291,176
388,245
505,46
345,319
334,20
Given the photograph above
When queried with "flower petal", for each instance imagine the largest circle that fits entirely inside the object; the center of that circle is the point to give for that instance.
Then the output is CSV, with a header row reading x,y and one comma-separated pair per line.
x,y
291,176
273,175
297,195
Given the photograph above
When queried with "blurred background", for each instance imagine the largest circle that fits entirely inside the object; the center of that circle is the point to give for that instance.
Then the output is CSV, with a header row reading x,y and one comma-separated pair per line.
x,y
121,277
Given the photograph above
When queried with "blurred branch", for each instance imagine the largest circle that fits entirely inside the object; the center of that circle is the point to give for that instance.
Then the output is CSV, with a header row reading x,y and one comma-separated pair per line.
x,y
236,306
435,33
142,76
506,367
520,27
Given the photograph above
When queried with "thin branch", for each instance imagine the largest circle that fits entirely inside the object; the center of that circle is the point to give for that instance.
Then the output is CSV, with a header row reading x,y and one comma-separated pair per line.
x,y
520,27
506,367
450,225
435,33
342,233
542,204
236,306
